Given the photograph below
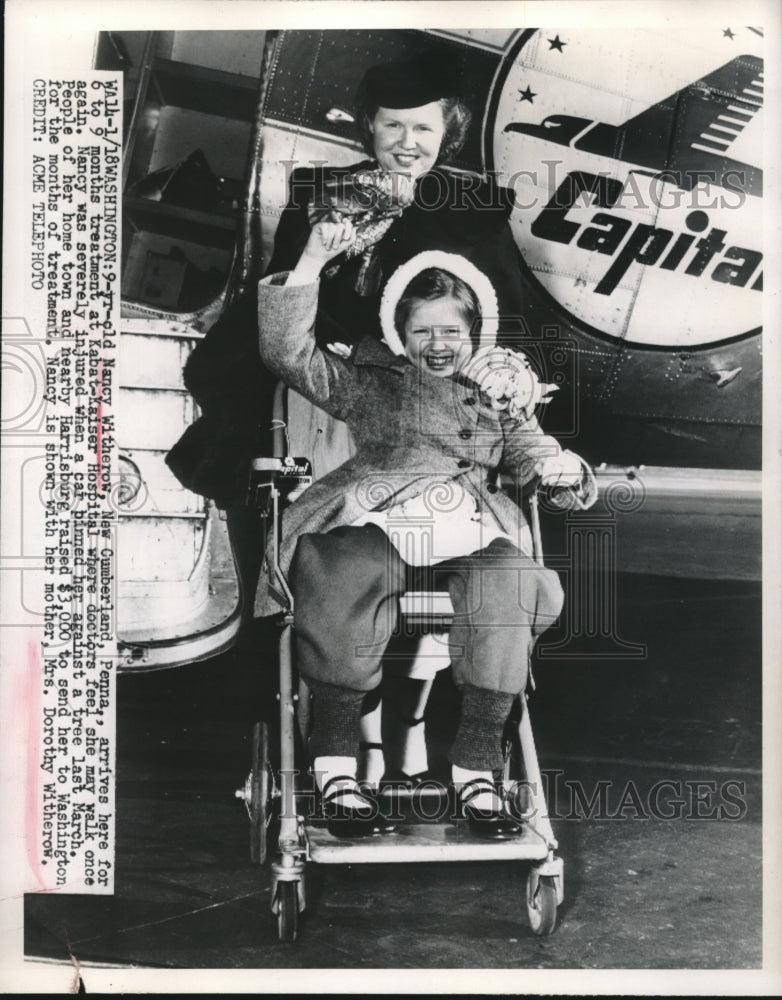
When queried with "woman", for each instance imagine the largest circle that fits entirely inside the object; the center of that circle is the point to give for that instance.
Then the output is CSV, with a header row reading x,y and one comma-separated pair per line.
x,y
410,122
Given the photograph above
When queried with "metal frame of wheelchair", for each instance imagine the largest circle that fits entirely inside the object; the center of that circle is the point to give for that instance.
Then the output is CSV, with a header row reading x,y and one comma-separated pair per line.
x,y
304,838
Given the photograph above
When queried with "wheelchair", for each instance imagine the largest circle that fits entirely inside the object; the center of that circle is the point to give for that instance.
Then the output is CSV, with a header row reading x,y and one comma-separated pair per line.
x,y
278,798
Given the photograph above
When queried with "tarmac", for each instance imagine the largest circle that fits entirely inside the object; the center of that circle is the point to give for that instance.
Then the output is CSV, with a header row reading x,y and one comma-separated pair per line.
x,y
652,756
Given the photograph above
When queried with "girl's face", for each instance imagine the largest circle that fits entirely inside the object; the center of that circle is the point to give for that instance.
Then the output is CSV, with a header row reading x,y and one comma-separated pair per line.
x,y
436,336
408,140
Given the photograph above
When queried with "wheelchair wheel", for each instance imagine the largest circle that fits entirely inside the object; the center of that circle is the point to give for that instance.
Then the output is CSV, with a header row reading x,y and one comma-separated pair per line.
x,y
287,911
541,903
259,793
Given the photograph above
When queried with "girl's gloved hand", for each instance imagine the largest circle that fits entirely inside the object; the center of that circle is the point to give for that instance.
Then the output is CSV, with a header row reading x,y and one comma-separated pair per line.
x,y
570,479
564,469
328,239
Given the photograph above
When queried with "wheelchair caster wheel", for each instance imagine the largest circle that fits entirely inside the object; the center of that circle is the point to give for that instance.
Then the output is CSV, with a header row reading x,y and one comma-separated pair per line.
x,y
541,903
287,911
259,793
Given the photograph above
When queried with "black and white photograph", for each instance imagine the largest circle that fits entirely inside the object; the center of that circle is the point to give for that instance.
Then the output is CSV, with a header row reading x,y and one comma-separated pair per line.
x,y
391,467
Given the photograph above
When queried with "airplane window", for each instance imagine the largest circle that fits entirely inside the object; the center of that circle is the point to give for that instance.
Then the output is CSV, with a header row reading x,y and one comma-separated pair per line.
x,y
189,106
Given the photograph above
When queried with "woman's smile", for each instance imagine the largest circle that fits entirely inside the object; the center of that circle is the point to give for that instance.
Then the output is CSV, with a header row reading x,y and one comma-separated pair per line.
x,y
408,140
405,160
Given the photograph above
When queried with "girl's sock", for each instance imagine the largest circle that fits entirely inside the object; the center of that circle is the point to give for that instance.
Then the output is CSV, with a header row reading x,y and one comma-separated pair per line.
x,y
486,798
327,768
478,743
336,719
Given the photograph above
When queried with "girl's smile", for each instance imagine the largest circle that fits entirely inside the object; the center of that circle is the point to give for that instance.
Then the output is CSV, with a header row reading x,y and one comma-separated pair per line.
x,y
436,336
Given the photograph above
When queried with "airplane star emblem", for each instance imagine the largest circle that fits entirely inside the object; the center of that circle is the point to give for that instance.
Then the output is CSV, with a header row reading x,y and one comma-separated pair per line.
x,y
727,33
556,43
527,95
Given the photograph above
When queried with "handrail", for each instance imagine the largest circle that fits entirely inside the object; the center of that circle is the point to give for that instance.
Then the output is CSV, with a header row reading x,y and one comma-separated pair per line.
x,y
246,260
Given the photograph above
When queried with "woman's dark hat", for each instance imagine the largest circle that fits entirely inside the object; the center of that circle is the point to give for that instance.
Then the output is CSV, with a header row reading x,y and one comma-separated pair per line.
x,y
412,82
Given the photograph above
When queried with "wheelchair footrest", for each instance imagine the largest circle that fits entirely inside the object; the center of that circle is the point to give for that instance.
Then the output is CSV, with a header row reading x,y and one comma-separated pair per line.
x,y
412,842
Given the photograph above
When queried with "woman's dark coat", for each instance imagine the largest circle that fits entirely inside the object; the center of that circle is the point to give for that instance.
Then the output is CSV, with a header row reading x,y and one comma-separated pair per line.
x,y
456,213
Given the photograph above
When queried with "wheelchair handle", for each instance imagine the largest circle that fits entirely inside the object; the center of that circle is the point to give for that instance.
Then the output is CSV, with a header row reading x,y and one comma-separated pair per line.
x,y
273,482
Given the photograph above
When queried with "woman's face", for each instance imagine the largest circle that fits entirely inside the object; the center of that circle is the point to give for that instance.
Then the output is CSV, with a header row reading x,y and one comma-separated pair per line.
x,y
408,140
437,338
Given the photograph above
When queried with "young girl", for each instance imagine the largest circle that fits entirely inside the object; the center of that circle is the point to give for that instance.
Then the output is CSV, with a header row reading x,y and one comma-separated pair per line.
x,y
420,490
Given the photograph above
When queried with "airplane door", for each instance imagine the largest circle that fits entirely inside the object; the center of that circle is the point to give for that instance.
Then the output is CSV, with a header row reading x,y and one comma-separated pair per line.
x,y
190,106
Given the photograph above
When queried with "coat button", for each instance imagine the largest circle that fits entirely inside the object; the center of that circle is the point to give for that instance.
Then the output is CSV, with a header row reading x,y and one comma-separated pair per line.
x,y
470,401
491,488
464,463
465,434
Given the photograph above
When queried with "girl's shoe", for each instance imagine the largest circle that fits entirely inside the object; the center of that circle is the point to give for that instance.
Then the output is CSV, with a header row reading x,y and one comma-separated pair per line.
x,y
491,823
349,811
